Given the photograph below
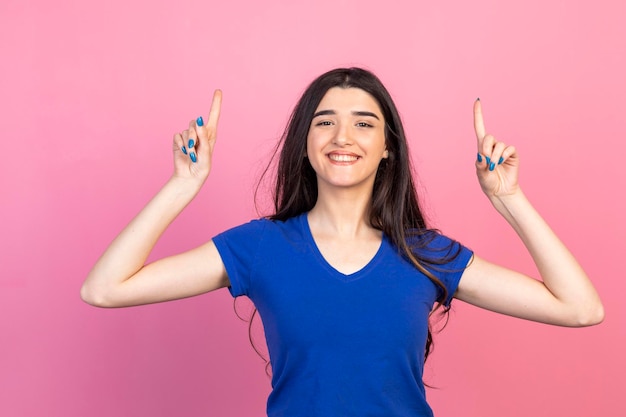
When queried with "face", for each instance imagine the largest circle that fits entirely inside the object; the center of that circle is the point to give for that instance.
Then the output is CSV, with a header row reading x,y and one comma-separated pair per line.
x,y
346,139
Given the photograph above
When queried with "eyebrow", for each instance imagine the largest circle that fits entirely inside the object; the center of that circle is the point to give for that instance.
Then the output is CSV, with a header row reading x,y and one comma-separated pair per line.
x,y
355,113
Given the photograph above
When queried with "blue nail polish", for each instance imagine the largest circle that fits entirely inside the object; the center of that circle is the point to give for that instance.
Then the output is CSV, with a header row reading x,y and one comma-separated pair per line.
x,y
501,160
190,144
192,155
184,150
480,158
488,160
492,166
199,121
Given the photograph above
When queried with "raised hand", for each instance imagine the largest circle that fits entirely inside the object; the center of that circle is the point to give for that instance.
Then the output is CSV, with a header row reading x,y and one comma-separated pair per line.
x,y
193,147
121,276
497,164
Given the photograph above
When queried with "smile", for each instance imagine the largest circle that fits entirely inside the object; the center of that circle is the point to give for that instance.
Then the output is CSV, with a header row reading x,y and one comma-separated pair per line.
x,y
343,157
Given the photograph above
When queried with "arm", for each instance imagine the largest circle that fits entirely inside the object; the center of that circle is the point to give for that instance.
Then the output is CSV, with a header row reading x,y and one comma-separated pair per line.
x,y
120,277
565,296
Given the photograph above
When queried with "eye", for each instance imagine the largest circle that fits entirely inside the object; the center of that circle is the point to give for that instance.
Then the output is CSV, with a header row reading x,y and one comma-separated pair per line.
x,y
363,124
324,123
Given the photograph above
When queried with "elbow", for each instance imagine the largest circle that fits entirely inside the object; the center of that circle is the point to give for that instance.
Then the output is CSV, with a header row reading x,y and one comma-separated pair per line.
x,y
93,297
598,316
88,295
591,316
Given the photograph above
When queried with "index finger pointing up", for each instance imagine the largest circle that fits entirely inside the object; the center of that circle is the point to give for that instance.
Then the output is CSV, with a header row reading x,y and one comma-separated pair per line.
x,y
216,105
479,124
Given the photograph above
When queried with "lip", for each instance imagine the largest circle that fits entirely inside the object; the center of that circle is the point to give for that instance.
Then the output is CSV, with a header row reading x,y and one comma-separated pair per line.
x,y
343,158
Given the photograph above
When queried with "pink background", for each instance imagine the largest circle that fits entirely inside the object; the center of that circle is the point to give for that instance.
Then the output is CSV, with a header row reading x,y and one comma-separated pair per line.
x,y
93,91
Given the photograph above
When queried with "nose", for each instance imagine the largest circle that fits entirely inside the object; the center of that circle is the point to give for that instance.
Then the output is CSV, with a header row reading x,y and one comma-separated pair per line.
x,y
343,135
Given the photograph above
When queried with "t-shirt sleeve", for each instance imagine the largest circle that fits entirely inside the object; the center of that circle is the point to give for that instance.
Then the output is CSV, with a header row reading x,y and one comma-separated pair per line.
x,y
449,273
238,248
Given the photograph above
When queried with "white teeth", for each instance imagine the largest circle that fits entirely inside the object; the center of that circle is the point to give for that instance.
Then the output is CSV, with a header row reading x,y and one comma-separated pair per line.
x,y
343,158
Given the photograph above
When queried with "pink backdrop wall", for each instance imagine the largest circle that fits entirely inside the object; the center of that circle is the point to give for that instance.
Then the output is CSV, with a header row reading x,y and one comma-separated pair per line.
x,y
92,92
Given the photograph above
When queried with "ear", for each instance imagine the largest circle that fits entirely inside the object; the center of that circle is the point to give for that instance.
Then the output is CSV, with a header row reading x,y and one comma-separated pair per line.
x,y
386,154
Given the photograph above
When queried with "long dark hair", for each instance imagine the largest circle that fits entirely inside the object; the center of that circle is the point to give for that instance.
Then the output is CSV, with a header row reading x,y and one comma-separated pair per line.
x,y
395,209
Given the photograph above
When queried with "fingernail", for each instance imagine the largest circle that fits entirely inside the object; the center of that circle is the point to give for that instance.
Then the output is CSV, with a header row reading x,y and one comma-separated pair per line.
x,y
480,158
492,166
190,144
199,121
192,155
501,160
488,160
184,150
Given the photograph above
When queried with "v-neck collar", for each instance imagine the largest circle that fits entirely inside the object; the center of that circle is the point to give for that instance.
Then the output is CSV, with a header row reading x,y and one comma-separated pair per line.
x,y
371,264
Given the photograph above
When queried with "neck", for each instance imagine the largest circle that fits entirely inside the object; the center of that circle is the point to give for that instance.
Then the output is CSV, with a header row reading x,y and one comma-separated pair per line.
x,y
342,212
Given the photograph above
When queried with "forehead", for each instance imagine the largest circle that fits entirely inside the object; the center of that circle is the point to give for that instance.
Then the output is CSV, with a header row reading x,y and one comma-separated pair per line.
x,y
348,99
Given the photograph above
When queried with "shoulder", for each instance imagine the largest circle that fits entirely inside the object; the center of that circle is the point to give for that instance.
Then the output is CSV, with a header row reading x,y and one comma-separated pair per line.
x,y
256,229
242,232
435,248
431,240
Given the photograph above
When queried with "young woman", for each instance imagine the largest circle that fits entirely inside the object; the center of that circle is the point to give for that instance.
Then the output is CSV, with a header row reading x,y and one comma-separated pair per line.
x,y
346,273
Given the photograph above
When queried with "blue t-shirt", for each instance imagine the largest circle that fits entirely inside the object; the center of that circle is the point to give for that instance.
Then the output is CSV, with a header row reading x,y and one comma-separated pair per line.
x,y
339,345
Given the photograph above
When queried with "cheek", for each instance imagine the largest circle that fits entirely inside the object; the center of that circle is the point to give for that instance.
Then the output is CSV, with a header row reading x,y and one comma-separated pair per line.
x,y
312,142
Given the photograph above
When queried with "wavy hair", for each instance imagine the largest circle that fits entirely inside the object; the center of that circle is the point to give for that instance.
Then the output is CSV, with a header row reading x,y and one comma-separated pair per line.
x,y
395,208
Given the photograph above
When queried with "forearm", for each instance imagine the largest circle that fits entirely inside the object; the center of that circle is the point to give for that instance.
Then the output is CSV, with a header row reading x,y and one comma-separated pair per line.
x,y
128,252
561,273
